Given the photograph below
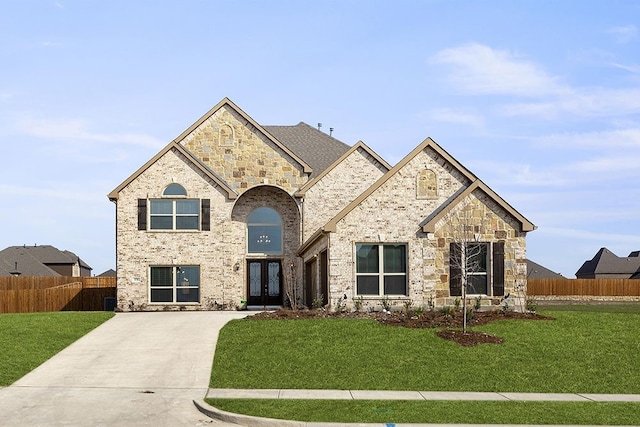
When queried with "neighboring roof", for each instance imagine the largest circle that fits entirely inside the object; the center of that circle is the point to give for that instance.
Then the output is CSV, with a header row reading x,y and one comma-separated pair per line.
x,y
109,273
33,260
537,271
226,101
360,145
181,149
606,262
430,225
313,146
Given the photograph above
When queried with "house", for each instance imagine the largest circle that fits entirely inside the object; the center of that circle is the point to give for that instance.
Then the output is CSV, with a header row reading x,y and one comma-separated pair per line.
x,y
607,265
537,271
41,260
233,211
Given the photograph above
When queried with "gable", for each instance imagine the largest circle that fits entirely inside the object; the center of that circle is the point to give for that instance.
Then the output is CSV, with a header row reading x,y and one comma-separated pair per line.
x,y
216,181
401,188
241,152
327,194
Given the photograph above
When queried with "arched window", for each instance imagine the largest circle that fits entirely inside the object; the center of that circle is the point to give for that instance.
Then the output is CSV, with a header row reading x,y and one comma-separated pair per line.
x,y
174,190
264,231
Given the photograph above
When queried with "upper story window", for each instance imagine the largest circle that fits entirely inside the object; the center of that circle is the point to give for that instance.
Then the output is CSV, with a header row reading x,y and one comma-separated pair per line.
x,y
264,235
174,190
166,214
174,211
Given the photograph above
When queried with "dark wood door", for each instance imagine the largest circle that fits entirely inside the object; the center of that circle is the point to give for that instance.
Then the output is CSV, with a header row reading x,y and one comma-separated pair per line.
x,y
264,282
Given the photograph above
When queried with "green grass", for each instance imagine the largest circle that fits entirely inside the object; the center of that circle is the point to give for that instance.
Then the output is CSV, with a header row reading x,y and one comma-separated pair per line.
x,y
29,339
609,307
437,412
579,352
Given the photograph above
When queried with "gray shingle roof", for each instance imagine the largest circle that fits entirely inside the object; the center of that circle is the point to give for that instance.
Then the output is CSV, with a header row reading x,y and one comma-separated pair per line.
x,y
606,262
25,260
316,148
33,260
537,271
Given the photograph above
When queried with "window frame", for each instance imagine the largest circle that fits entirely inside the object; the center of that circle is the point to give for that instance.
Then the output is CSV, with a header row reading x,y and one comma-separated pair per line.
x,y
488,263
381,274
174,215
174,286
280,224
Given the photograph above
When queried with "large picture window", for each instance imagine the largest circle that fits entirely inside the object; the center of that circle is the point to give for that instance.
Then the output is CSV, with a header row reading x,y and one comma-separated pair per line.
x,y
381,269
264,232
175,284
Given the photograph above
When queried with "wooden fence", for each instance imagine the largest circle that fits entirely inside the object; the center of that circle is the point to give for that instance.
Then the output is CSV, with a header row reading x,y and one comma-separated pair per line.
x,y
34,294
584,287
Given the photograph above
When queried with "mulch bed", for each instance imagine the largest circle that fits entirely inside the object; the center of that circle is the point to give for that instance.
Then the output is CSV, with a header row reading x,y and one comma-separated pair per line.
x,y
451,322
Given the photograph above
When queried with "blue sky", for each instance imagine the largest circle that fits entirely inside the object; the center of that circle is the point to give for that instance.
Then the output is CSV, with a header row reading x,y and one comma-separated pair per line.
x,y
540,99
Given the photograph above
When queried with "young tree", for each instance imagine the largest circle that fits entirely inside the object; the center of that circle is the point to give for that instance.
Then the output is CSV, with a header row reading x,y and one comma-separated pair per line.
x,y
468,255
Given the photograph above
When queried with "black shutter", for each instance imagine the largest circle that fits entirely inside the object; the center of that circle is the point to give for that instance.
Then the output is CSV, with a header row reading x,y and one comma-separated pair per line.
x,y
142,214
455,269
498,268
205,220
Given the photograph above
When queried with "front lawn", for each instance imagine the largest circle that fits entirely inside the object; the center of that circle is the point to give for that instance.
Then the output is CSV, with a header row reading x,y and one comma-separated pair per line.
x,y
578,352
29,339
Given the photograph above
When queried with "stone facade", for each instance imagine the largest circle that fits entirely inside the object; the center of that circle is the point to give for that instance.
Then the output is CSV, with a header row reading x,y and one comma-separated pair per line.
x,y
335,190
231,167
241,155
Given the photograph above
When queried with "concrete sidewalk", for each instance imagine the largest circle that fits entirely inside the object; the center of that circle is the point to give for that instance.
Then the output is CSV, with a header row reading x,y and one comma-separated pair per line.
x,y
251,421
223,393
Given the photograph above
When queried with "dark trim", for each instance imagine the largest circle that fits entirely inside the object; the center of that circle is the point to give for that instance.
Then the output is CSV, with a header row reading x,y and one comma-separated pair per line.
x,y
498,268
142,214
205,220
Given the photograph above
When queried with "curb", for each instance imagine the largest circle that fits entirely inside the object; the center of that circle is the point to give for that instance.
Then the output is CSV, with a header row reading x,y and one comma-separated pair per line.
x,y
245,420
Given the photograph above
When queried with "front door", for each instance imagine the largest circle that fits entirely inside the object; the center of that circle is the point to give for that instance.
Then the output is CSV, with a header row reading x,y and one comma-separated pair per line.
x,y
264,282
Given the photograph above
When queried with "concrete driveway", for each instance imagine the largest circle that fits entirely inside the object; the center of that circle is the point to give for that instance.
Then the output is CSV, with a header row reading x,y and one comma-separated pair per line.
x,y
136,369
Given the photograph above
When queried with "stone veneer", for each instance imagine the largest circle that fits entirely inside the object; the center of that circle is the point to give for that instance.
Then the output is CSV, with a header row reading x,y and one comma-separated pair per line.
x,y
241,155
395,212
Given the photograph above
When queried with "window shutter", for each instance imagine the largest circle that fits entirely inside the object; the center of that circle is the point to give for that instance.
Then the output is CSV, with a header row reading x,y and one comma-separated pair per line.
x,y
206,215
455,269
498,268
142,214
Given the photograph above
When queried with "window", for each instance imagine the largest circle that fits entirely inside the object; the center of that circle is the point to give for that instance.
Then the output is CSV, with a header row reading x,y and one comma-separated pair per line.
x,y
264,231
381,269
175,284
483,269
174,211
476,256
174,190
174,214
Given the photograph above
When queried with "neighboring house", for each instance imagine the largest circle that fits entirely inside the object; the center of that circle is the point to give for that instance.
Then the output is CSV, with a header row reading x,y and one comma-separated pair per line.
x,y
43,260
233,210
109,273
537,271
607,265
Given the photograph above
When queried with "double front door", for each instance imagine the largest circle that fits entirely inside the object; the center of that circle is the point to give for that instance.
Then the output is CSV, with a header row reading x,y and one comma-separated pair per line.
x,y
264,282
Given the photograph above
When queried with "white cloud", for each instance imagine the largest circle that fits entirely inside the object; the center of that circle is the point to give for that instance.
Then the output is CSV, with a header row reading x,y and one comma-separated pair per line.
x,y
584,102
628,138
479,69
624,34
77,130
634,69
448,115
581,234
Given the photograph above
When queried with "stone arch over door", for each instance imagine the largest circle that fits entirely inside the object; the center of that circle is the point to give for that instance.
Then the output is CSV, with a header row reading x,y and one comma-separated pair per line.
x,y
262,266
